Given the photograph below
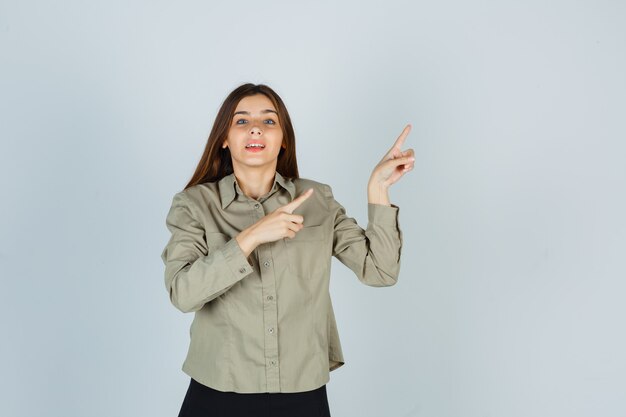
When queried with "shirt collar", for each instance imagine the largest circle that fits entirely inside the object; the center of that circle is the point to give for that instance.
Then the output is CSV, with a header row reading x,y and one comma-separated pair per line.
x,y
229,188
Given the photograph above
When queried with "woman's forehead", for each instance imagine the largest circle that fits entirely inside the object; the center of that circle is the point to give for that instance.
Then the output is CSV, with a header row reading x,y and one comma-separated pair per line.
x,y
256,103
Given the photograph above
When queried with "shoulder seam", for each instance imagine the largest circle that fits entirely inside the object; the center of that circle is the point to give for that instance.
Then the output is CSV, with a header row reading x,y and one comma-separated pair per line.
x,y
189,204
327,190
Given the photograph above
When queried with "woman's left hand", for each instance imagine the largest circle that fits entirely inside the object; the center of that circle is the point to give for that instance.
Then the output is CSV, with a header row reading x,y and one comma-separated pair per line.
x,y
394,164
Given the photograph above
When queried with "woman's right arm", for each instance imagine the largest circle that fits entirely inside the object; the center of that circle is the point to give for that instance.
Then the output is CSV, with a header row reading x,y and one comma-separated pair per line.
x,y
195,275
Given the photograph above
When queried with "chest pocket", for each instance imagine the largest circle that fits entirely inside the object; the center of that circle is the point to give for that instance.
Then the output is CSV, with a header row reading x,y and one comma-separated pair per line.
x,y
306,252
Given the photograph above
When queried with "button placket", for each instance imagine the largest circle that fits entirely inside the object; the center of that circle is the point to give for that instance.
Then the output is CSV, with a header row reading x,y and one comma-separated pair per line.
x,y
270,312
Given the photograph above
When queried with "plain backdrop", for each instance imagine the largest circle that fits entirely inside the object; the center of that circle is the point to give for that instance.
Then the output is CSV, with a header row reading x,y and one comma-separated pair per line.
x,y
510,297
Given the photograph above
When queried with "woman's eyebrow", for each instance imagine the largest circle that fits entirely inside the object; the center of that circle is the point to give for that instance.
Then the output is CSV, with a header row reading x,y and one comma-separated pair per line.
x,y
262,111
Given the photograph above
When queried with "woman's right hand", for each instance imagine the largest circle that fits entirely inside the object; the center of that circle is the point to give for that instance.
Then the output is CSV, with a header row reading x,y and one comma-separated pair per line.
x,y
279,224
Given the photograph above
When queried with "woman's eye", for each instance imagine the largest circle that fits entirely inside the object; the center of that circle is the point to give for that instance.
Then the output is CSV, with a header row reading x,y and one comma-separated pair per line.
x,y
272,122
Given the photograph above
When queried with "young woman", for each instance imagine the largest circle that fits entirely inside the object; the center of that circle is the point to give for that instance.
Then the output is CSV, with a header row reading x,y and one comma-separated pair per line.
x,y
250,254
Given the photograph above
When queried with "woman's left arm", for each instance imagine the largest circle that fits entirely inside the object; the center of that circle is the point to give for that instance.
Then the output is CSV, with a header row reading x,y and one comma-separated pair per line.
x,y
389,170
374,253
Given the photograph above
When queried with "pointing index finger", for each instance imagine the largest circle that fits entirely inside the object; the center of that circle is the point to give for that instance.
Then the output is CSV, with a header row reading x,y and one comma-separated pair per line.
x,y
296,202
400,141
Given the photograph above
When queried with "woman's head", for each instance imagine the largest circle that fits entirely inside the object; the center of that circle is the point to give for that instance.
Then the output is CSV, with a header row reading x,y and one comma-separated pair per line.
x,y
230,131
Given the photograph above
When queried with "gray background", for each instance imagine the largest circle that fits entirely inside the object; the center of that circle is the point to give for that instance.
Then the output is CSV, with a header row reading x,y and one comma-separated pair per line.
x,y
510,298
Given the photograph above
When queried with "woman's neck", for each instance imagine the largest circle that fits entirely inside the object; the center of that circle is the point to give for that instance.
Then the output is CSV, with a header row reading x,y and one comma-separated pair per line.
x,y
255,184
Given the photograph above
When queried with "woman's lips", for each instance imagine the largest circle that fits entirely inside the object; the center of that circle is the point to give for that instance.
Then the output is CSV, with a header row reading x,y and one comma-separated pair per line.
x,y
254,149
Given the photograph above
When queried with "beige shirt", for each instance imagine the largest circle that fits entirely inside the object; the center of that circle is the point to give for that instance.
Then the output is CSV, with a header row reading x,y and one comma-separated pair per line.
x,y
265,323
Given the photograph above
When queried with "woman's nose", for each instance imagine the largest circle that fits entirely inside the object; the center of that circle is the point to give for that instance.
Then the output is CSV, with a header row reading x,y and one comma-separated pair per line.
x,y
255,130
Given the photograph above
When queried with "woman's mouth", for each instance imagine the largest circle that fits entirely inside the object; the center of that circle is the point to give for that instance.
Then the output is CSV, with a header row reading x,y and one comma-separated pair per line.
x,y
255,147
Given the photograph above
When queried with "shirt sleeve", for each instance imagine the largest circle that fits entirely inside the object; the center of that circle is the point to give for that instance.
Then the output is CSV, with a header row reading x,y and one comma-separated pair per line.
x,y
195,274
372,254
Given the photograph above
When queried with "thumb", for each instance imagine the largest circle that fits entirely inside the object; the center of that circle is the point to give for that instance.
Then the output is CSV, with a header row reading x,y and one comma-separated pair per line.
x,y
400,161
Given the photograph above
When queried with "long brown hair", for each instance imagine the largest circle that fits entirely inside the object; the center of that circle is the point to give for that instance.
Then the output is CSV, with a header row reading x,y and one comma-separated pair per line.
x,y
216,161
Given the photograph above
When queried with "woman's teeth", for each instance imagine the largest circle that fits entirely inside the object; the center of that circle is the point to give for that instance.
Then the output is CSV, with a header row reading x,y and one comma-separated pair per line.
x,y
255,145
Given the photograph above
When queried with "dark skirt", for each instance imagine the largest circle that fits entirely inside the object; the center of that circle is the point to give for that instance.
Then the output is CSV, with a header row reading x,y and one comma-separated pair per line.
x,y
203,401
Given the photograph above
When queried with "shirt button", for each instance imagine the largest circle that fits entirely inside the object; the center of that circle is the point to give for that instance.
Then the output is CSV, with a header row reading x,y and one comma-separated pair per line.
x,y
271,330
273,362
267,264
242,269
256,205
270,297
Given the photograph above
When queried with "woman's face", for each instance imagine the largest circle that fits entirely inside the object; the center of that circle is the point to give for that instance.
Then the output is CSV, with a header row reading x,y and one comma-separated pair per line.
x,y
255,121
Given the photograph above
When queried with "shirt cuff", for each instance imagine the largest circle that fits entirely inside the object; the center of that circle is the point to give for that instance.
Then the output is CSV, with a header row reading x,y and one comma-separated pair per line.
x,y
382,214
236,259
